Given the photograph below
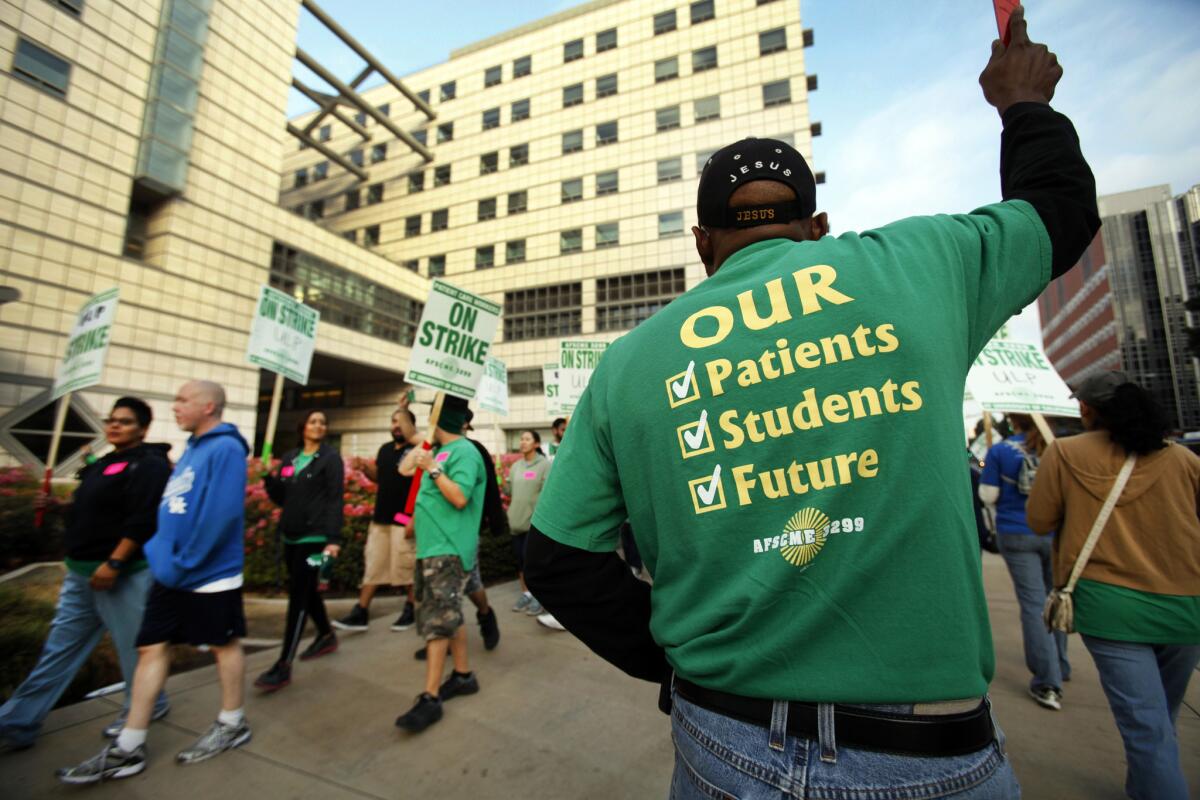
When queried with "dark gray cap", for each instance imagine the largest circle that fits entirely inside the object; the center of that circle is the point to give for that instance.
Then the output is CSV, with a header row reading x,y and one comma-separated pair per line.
x,y
1097,390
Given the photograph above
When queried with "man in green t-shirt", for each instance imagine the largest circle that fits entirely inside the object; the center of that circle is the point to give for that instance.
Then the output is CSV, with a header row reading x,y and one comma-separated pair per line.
x,y
446,522
785,439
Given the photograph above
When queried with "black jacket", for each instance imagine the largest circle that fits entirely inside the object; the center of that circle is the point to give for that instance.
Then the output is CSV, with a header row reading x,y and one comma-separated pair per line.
x,y
117,499
312,500
494,516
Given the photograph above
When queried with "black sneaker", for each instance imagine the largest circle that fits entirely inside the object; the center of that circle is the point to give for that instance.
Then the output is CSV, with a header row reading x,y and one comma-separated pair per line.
x,y
426,711
322,645
356,620
275,678
489,628
112,762
458,684
421,654
406,618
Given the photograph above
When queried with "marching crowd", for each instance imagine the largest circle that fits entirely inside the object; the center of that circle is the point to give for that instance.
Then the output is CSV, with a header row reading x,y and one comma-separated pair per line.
x,y
154,555
850,655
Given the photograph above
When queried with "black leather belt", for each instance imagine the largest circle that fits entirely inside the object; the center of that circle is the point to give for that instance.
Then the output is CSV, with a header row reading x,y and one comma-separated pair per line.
x,y
908,734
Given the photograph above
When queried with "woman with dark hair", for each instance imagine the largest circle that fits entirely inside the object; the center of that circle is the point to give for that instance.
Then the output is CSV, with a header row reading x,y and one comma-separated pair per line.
x,y
1002,488
526,479
309,486
113,512
1137,603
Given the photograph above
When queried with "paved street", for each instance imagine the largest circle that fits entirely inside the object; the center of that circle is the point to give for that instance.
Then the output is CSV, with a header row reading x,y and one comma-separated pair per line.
x,y
551,721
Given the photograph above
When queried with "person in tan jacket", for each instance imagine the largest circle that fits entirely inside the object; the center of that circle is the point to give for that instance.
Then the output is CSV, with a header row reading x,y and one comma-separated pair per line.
x,y
1137,603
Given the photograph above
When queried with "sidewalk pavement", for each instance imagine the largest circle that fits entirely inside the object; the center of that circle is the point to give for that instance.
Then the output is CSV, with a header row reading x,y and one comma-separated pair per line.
x,y
551,721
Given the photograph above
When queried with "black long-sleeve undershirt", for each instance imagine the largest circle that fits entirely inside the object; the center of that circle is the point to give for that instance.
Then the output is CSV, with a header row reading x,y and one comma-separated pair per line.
x,y
595,596
1041,163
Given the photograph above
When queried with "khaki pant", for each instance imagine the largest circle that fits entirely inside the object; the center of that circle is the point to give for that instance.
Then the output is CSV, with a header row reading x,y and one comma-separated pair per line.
x,y
389,557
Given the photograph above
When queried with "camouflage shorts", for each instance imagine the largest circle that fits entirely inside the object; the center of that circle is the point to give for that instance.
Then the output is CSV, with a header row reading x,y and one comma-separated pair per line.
x,y
439,589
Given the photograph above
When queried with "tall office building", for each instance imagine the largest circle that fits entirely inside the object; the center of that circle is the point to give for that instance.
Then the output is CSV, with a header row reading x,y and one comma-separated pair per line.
x,y
565,155
1124,306
551,168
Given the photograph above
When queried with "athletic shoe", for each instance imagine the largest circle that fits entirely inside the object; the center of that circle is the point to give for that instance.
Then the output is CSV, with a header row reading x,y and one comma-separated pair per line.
x,y
216,740
113,729
356,620
406,618
458,684
1047,697
550,622
274,679
535,608
522,602
426,711
321,646
489,628
420,655
112,762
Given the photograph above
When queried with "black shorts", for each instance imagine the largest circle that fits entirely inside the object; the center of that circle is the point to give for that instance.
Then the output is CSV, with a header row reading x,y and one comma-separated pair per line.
x,y
180,617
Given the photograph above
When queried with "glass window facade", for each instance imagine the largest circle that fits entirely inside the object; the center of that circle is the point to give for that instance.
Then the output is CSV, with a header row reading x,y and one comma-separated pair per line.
x,y
542,312
344,298
625,301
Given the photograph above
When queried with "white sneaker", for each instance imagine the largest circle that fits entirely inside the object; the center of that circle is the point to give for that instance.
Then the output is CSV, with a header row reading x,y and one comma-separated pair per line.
x,y
1047,697
549,621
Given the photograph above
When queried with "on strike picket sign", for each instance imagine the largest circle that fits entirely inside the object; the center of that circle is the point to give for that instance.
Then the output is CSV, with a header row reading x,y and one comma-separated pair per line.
x,y
283,335
577,362
87,346
1017,376
453,339
493,386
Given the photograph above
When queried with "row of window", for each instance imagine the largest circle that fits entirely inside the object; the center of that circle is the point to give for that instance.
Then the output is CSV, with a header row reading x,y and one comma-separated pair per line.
x,y
704,109
320,171
344,298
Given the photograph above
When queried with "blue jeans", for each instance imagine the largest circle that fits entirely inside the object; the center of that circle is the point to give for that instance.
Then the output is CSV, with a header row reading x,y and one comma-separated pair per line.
x,y
719,757
82,616
1144,684
1028,560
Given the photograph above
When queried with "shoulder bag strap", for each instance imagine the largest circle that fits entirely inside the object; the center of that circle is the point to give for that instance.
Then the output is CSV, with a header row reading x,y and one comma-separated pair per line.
x,y
1109,503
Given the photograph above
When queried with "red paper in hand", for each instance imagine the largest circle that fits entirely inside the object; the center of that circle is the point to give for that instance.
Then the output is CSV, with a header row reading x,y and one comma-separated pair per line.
x,y
1004,10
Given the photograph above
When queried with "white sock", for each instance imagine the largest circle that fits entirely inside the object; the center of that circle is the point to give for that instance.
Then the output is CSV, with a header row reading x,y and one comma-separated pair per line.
x,y
527,594
130,739
232,718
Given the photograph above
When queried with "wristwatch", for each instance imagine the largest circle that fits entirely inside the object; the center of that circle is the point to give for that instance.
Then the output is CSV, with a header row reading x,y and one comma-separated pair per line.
x,y
435,474
115,564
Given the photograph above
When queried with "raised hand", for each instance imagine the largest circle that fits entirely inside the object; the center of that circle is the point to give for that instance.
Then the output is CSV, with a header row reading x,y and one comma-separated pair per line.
x,y
1022,72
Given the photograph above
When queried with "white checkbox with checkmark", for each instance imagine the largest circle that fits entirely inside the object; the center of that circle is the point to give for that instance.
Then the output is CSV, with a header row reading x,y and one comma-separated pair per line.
x,y
708,493
695,438
683,388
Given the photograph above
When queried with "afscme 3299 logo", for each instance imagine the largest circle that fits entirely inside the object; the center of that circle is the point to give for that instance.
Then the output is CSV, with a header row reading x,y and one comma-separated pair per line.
x,y
805,533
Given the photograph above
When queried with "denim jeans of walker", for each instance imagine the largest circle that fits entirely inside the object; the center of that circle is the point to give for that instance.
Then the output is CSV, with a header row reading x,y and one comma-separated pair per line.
x,y
719,757
1144,684
80,620
1028,560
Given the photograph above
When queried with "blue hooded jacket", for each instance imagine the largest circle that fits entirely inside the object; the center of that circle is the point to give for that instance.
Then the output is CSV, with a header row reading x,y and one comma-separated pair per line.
x,y
201,517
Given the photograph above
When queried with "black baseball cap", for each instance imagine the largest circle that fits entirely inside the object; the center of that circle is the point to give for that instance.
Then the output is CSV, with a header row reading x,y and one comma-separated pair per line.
x,y
735,165
1099,389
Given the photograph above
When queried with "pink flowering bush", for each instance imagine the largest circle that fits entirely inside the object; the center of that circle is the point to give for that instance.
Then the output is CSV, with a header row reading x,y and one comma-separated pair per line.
x,y
20,542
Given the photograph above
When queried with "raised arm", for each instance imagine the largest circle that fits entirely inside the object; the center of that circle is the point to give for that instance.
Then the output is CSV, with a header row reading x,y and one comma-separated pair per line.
x,y
1040,159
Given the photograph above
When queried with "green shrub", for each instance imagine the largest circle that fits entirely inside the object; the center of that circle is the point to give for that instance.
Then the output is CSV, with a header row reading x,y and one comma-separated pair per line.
x,y
26,625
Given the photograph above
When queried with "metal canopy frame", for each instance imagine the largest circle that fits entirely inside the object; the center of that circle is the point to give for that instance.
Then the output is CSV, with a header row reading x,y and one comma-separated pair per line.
x,y
348,96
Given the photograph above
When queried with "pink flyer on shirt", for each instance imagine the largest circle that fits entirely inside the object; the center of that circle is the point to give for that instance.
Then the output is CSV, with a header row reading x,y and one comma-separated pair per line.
x,y
530,474
440,457
288,471
114,469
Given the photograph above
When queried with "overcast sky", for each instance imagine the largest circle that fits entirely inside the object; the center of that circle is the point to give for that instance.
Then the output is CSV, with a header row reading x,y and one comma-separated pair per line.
x,y
905,127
